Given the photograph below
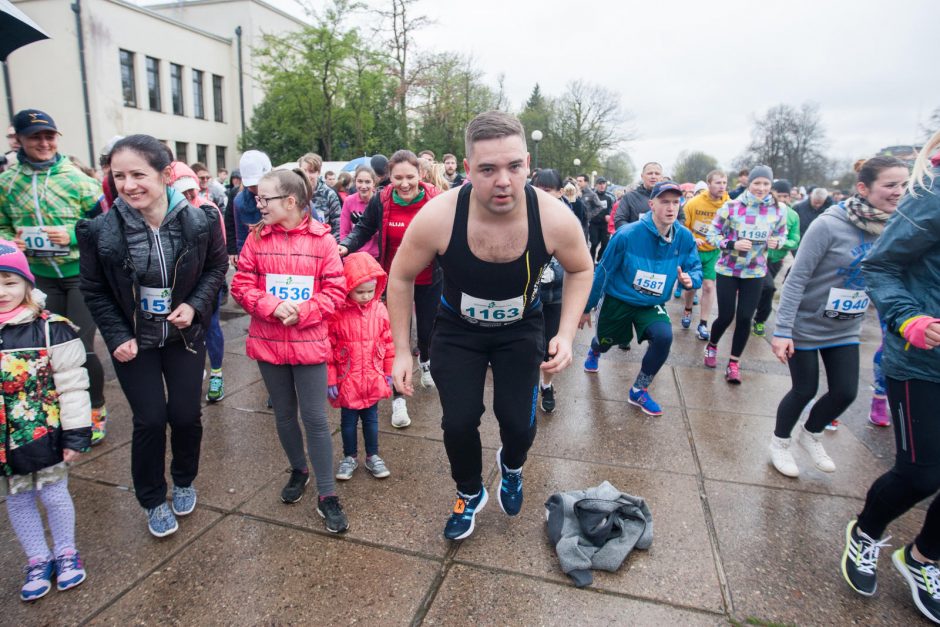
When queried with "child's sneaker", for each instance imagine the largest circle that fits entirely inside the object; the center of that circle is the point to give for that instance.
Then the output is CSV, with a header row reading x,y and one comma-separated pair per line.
x,y
376,465
923,579
686,320
347,466
332,512
711,356
38,580
461,522
161,521
427,380
879,415
548,399
400,417
69,571
702,332
733,373
590,364
216,388
643,400
99,424
296,486
860,559
184,500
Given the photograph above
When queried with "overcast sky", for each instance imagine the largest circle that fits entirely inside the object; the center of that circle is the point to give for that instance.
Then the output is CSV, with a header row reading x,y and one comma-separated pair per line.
x,y
692,74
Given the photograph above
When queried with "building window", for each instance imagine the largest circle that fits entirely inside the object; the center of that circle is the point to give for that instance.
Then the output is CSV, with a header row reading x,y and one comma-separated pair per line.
x,y
202,154
128,84
153,84
199,109
219,158
176,88
217,96
182,148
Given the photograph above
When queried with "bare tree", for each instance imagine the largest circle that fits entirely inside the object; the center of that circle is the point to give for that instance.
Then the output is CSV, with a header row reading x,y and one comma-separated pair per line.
x,y
791,141
693,166
932,125
587,120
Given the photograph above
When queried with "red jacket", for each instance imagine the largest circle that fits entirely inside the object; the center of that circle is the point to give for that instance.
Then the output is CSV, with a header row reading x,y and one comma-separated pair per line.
x,y
361,340
305,251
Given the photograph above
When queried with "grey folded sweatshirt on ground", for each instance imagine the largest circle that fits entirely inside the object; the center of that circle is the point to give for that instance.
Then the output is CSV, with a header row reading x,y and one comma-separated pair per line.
x,y
596,528
830,255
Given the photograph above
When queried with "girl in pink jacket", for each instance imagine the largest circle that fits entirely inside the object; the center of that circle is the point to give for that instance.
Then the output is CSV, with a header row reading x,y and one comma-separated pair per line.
x,y
360,365
290,280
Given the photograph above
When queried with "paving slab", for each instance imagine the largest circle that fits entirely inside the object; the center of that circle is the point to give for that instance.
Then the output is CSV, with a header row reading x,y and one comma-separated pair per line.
x,y
703,388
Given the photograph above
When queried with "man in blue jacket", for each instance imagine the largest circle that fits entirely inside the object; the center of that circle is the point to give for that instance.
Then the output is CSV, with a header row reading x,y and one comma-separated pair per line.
x,y
635,276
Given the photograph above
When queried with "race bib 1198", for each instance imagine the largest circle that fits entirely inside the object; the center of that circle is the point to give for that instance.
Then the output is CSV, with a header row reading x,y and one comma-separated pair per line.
x,y
754,234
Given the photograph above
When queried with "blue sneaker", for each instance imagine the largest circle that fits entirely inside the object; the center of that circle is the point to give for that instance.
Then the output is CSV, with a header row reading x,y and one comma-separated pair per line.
x,y
161,521
702,332
184,500
678,292
510,488
460,523
38,580
645,402
695,299
686,319
590,364
69,571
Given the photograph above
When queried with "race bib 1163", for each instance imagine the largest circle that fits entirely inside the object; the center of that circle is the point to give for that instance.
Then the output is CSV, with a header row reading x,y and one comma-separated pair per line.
x,y
491,311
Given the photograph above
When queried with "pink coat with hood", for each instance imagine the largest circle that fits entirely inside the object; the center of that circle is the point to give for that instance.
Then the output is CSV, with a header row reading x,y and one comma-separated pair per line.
x,y
361,339
306,250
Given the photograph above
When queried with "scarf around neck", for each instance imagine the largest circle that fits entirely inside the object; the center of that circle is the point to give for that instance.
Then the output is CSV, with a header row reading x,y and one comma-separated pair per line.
x,y
36,165
864,216
750,200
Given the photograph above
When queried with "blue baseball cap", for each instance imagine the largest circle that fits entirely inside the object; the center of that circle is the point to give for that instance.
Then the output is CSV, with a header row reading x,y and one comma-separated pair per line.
x,y
29,121
664,186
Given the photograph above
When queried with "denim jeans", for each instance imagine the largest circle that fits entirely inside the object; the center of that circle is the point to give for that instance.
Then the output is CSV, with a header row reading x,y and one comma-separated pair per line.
x,y
349,418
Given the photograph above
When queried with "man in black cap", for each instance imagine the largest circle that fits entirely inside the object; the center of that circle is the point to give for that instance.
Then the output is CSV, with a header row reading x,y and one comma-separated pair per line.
x,y
379,165
598,224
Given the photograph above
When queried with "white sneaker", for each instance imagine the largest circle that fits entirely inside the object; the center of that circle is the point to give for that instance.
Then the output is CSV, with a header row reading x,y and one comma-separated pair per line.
x,y
811,442
426,380
400,417
782,458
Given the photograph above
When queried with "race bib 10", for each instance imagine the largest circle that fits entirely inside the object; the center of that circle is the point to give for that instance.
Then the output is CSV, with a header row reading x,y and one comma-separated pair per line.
x,y
491,311
649,283
38,243
156,301
289,287
753,234
846,304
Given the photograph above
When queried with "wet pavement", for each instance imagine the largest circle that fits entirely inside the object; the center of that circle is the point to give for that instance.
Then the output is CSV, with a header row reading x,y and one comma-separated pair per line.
x,y
734,541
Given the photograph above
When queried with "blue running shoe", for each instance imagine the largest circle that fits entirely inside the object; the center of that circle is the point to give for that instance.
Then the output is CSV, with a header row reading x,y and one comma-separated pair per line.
x,y
702,332
38,580
69,571
695,299
590,364
510,488
161,521
678,292
645,402
460,523
184,500
686,319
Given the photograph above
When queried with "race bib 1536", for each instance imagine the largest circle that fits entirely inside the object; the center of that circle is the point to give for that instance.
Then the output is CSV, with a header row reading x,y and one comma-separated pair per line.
x,y
289,287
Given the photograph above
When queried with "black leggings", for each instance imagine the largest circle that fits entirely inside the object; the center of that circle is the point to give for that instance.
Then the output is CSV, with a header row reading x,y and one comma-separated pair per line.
x,y
765,305
599,237
841,364
461,355
737,300
916,472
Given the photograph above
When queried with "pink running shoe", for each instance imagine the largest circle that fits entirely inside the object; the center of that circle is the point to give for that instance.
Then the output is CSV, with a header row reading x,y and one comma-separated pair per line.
x,y
711,356
732,373
879,412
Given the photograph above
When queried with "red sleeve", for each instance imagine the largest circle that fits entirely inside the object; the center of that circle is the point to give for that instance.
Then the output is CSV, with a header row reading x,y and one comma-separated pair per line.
x,y
332,286
247,284
330,364
389,344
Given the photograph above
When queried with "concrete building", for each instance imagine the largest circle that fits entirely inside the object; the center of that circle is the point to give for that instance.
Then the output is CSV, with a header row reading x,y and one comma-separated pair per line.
x,y
167,70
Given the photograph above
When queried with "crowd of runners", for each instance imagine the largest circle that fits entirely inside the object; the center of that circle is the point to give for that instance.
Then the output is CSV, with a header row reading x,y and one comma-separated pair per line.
x,y
499,266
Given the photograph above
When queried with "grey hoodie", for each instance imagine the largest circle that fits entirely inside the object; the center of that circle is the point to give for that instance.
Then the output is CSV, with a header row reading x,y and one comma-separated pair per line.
x,y
830,256
596,528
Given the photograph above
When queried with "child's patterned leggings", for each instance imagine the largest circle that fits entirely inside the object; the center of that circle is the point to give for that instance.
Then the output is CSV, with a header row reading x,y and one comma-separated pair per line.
x,y
27,523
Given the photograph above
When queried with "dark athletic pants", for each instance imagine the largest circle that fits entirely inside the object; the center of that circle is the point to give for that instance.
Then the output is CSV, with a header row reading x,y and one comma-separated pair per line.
x,y
916,473
765,305
461,355
737,300
599,237
143,379
841,364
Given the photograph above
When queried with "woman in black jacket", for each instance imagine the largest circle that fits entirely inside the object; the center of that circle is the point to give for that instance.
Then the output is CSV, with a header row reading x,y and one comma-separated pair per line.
x,y
151,269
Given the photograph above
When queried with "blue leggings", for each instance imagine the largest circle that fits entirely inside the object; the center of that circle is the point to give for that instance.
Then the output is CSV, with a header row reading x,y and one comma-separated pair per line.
x,y
215,341
658,336
349,418
881,387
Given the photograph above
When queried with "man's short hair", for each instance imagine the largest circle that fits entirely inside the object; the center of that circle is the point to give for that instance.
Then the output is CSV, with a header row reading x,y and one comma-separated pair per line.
x,y
583,176
819,194
449,156
713,174
649,163
428,153
492,125
744,172
311,159
199,167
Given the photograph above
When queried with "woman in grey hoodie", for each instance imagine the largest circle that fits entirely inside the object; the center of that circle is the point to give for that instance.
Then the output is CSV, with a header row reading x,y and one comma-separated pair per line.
x,y
822,308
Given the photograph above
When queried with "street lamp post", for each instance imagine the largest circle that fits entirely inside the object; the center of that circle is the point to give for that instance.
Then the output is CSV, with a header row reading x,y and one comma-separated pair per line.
x,y
593,176
577,164
536,137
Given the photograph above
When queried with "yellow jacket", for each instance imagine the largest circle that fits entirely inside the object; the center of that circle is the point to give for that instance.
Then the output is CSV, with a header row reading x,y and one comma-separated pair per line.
x,y
699,213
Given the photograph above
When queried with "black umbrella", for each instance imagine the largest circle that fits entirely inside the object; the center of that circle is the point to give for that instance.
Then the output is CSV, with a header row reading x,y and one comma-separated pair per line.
x,y
17,29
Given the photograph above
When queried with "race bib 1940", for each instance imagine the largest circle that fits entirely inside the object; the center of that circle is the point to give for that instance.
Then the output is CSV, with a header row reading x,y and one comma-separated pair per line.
x,y
846,304
649,283
754,234
498,311
38,243
156,301
289,287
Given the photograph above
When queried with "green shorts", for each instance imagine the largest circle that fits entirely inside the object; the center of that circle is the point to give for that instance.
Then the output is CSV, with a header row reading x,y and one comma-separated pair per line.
x,y
617,321
709,259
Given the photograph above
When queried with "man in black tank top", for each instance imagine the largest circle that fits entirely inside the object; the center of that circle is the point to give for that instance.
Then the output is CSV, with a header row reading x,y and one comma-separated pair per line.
x,y
493,238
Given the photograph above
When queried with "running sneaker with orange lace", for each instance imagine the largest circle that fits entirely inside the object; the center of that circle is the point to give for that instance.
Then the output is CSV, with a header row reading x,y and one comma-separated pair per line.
x,y
99,424
461,521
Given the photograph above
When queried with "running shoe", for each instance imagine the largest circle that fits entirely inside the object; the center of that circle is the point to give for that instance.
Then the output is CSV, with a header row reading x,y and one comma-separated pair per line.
x,y
590,364
833,426
99,424
184,500
216,389
758,329
879,415
812,443
296,486
643,400
347,466
782,458
686,319
923,579
332,513
461,522
702,332
38,580
69,571
860,559
711,356
161,521
548,399
678,292
376,465
400,417
427,380
510,488
695,299
733,373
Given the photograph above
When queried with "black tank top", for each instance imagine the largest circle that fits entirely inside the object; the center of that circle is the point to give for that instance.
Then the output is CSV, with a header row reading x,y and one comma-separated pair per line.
x,y
486,293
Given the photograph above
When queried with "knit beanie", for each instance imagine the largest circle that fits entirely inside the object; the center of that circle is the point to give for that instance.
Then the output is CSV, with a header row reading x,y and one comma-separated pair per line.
x,y
13,260
760,171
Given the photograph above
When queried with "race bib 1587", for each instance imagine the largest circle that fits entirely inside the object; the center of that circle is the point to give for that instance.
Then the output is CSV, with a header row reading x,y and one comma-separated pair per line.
x,y
649,283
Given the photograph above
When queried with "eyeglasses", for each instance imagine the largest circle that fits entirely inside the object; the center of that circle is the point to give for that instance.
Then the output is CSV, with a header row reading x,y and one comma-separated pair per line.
x,y
264,200
205,178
